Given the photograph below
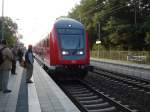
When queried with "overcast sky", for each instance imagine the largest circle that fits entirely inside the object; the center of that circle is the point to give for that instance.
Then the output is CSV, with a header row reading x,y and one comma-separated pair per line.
x,y
35,17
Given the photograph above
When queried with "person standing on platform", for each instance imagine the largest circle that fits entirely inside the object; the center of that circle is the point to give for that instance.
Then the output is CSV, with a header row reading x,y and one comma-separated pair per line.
x,y
20,54
14,52
1,70
29,59
6,65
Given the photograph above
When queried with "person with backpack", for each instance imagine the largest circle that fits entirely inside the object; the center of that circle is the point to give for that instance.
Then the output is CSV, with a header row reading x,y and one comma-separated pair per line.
x,y
5,65
29,59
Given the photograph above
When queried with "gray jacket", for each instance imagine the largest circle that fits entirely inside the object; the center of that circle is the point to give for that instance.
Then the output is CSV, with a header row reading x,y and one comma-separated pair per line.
x,y
7,56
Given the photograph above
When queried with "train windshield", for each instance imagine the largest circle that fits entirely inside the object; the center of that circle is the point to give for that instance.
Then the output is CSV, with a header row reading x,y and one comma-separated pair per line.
x,y
71,38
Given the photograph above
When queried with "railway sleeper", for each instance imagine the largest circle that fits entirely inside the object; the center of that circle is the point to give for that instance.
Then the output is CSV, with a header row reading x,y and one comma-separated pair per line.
x,y
119,85
137,82
74,90
148,85
92,102
79,92
148,93
110,109
97,106
88,98
141,97
83,95
76,86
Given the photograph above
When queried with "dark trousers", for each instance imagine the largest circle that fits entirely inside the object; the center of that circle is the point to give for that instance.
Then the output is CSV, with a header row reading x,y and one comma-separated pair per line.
x,y
29,71
1,79
13,70
4,76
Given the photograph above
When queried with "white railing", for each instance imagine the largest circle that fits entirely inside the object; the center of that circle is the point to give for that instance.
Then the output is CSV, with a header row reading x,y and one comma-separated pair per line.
x,y
134,56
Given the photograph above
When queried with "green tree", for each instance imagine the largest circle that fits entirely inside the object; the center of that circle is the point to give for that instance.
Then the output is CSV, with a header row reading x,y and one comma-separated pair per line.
x,y
123,23
10,30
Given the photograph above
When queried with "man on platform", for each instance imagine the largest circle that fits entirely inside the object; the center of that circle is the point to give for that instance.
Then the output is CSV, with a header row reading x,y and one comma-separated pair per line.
x,y
29,59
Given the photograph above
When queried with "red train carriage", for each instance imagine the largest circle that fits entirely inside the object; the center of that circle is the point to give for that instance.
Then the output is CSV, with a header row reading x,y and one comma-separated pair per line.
x,y
65,48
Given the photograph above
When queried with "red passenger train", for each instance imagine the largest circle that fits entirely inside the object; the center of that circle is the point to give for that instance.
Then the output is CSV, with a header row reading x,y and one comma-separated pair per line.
x,y
65,49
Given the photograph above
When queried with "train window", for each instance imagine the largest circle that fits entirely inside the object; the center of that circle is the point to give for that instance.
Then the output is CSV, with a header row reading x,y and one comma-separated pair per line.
x,y
71,41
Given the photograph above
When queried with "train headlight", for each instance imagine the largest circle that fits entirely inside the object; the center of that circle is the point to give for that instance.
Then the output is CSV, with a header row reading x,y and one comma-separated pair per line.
x,y
65,52
80,52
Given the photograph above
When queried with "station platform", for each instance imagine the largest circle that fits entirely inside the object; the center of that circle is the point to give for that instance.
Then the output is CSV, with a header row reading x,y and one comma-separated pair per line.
x,y
138,70
125,63
43,95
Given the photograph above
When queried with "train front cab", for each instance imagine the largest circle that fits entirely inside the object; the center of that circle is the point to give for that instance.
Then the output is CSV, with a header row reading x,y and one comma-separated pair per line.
x,y
69,52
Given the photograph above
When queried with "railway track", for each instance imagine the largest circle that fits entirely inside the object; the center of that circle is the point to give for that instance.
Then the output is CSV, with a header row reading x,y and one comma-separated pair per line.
x,y
130,80
130,90
88,99
117,91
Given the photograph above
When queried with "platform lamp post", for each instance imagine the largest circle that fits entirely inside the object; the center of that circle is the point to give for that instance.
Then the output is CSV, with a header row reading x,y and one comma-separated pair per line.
x,y
99,38
2,30
135,14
